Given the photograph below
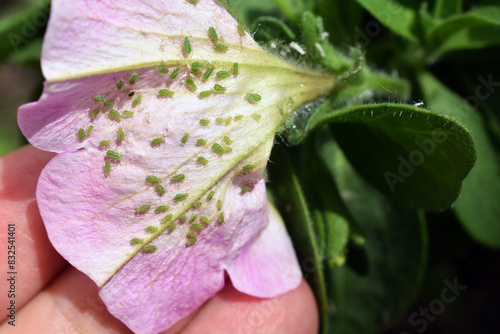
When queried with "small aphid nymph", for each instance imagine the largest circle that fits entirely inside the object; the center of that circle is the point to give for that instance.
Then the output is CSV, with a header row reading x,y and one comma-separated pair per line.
x,y
193,218
204,122
248,167
184,218
137,100
162,208
121,134
210,195
162,69
221,218
190,83
192,234
108,103
178,177
187,45
256,116
221,47
89,130
115,114
219,204
227,140
184,138
172,227
241,30
160,189
157,141
136,241
151,228
202,160
174,74
104,143
128,113
245,189
236,69
119,84
99,98
208,72
107,168
113,155
222,74
149,248
219,88
167,218
213,34
165,92
133,78
95,113
201,142
143,208
205,219
191,241
205,94
197,226
81,134
254,97
197,204
180,197
217,148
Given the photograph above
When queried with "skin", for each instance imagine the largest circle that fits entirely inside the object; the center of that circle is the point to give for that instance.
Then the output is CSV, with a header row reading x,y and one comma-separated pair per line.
x,y
53,297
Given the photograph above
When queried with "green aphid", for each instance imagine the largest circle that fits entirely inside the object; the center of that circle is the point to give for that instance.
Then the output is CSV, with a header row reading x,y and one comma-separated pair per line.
x,y
196,65
228,149
221,218
202,160
113,155
108,103
254,97
167,218
89,130
213,34
136,241
217,148
165,92
197,204
107,168
221,47
162,69
208,72
241,30
219,88
227,140
137,100
219,204
149,248
197,226
172,227
222,74
245,189
237,118
160,189
104,143
256,116
180,197
210,195
228,120
190,83
81,134
235,68
193,240
248,167
121,134
151,229
119,84
201,142
204,122
153,178
95,113
143,208
193,218
205,93
205,219
219,120
115,114
99,98
192,234
178,177
174,74
162,208
187,45
184,138
184,218
157,141
133,78
128,113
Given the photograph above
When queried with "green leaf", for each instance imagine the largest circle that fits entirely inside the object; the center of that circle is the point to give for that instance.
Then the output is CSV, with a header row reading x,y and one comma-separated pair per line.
x,y
468,39
17,30
415,157
445,8
477,17
381,277
291,202
400,19
477,208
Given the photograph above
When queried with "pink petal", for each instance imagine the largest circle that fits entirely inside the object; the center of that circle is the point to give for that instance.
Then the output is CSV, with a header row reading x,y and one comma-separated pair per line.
x,y
267,267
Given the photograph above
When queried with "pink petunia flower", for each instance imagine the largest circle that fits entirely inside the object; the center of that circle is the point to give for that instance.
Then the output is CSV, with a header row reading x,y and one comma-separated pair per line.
x,y
163,114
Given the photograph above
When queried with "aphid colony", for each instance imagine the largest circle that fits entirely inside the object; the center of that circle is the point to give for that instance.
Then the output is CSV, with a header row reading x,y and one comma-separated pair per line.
x,y
197,224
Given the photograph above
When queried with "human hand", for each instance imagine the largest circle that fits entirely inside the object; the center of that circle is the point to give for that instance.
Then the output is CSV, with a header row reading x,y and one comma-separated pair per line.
x,y
53,297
